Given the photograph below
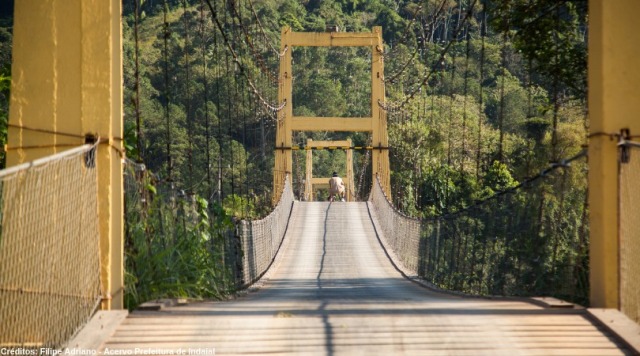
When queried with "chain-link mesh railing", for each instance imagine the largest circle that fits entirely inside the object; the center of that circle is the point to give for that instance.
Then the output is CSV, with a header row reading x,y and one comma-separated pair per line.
x,y
630,231
261,239
528,240
401,232
49,249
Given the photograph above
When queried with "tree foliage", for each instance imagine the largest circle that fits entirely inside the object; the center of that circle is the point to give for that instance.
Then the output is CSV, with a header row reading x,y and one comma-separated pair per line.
x,y
5,80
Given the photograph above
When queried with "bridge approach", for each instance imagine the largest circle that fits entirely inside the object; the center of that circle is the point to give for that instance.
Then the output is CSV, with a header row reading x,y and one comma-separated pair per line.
x,y
333,289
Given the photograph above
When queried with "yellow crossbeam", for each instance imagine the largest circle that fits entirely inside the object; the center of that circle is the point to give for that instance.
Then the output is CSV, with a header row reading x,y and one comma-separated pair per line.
x,y
333,39
303,123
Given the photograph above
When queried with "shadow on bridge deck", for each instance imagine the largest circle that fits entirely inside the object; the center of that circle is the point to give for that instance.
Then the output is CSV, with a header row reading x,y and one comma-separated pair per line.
x,y
333,290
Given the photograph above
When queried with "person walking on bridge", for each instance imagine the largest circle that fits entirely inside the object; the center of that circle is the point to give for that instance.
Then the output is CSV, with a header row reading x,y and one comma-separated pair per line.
x,y
336,187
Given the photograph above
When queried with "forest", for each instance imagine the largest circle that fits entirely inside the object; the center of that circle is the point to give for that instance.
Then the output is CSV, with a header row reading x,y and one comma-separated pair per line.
x,y
493,111
6,28
481,96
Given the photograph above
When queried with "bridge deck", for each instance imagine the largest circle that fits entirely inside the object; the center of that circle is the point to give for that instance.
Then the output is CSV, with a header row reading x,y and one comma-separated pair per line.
x,y
333,290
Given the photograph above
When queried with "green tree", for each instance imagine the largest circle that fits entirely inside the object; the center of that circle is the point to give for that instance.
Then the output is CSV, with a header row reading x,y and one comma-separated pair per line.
x,y
552,35
5,87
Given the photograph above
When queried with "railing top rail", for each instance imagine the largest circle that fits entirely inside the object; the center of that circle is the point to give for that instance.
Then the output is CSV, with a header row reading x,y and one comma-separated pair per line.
x,y
378,185
44,160
282,197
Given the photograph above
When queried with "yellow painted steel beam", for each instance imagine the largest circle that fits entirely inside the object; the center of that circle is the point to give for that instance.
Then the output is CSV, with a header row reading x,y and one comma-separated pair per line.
x,y
67,65
613,84
303,123
333,39
308,187
320,181
283,158
331,148
338,143
379,137
323,183
350,176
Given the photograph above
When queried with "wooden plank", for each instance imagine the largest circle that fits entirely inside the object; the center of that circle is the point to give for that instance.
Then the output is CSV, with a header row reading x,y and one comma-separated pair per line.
x,y
377,332
356,336
425,325
619,324
101,326
550,302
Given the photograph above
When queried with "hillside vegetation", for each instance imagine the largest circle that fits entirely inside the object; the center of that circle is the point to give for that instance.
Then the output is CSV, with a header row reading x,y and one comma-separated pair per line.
x,y
480,95
506,98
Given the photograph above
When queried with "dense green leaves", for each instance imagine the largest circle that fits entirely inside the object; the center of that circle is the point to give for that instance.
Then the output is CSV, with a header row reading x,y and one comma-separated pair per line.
x,y
176,245
5,82
550,33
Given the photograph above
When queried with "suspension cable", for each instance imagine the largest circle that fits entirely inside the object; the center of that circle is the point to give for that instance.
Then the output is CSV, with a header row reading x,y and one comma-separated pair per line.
x,y
364,164
236,64
386,106
556,89
501,111
464,105
451,100
206,98
256,55
264,102
189,116
483,31
263,32
392,78
405,32
219,139
553,166
136,24
166,34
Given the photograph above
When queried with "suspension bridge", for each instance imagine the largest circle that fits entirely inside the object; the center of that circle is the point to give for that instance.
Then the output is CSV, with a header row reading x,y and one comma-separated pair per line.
x,y
319,277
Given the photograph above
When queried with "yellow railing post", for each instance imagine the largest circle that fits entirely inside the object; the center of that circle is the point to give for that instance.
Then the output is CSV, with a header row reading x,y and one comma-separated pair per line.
x,y
350,179
613,105
67,80
308,187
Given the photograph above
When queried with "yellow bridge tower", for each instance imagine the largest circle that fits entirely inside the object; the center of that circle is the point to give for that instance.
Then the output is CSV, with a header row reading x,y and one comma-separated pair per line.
x,y
376,124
